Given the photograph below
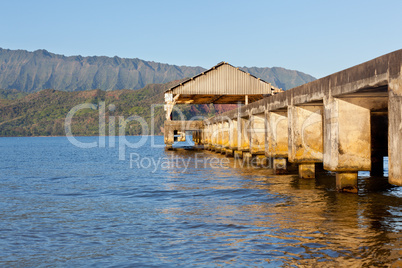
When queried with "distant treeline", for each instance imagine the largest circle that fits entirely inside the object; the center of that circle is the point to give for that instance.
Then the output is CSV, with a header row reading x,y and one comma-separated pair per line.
x,y
43,113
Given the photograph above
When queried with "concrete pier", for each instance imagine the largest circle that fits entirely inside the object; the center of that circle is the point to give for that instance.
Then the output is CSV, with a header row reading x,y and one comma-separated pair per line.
x,y
347,140
345,123
346,182
257,134
276,141
305,138
395,124
307,170
233,135
247,157
244,134
238,154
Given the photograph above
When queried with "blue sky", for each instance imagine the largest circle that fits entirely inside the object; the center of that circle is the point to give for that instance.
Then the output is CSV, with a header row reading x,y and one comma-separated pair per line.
x,y
315,37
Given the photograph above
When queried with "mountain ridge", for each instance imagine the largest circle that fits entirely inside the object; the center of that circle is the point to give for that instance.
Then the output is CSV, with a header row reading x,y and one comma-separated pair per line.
x,y
34,71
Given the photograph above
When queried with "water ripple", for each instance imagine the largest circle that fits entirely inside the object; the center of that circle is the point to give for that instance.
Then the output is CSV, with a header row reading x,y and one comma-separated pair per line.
x,y
65,206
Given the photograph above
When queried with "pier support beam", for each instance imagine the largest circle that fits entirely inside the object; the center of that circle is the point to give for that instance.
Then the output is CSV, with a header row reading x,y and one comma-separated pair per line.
x,y
214,135
238,154
346,182
207,137
279,165
305,137
257,134
259,160
229,152
244,143
169,136
169,147
233,135
307,171
219,138
247,157
197,139
395,129
276,142
225,135
347,141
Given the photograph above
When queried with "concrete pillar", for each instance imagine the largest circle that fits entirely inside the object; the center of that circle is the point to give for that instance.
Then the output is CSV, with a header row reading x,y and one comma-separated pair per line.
x,y
169,147
244,143
210,133
169,103
277,134
169,136
195,137
247,157
233,135
279,165
216,140
219,138
238,154
276,142
202,136
257,134
347,140
229,152
307,171
180,135
214,136
225,134
346,182
305,137
395,130
207,136
260,160
210,136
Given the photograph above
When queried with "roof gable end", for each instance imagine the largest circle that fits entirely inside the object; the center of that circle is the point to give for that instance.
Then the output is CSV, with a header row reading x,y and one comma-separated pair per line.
x,y
223,79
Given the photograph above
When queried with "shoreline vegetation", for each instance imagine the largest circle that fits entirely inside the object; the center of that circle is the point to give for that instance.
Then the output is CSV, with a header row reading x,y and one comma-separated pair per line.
x,y
43,113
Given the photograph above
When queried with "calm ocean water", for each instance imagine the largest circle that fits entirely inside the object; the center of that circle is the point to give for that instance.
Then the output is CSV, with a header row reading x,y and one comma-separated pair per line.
x,y
61,205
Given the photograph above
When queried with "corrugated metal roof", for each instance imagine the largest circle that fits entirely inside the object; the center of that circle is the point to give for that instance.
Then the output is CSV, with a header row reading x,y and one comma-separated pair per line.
x,y
232,81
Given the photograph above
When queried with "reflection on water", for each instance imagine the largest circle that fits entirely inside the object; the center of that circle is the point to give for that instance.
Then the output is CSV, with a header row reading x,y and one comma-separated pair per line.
x,y
65,206
287,221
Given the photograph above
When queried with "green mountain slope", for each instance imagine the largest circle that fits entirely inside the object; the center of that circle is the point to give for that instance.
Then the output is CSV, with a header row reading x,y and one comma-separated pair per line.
x,y
43,113
34,71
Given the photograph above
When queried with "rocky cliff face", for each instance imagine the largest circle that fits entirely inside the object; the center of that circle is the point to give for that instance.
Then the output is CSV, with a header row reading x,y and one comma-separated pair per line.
x,y
33,71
